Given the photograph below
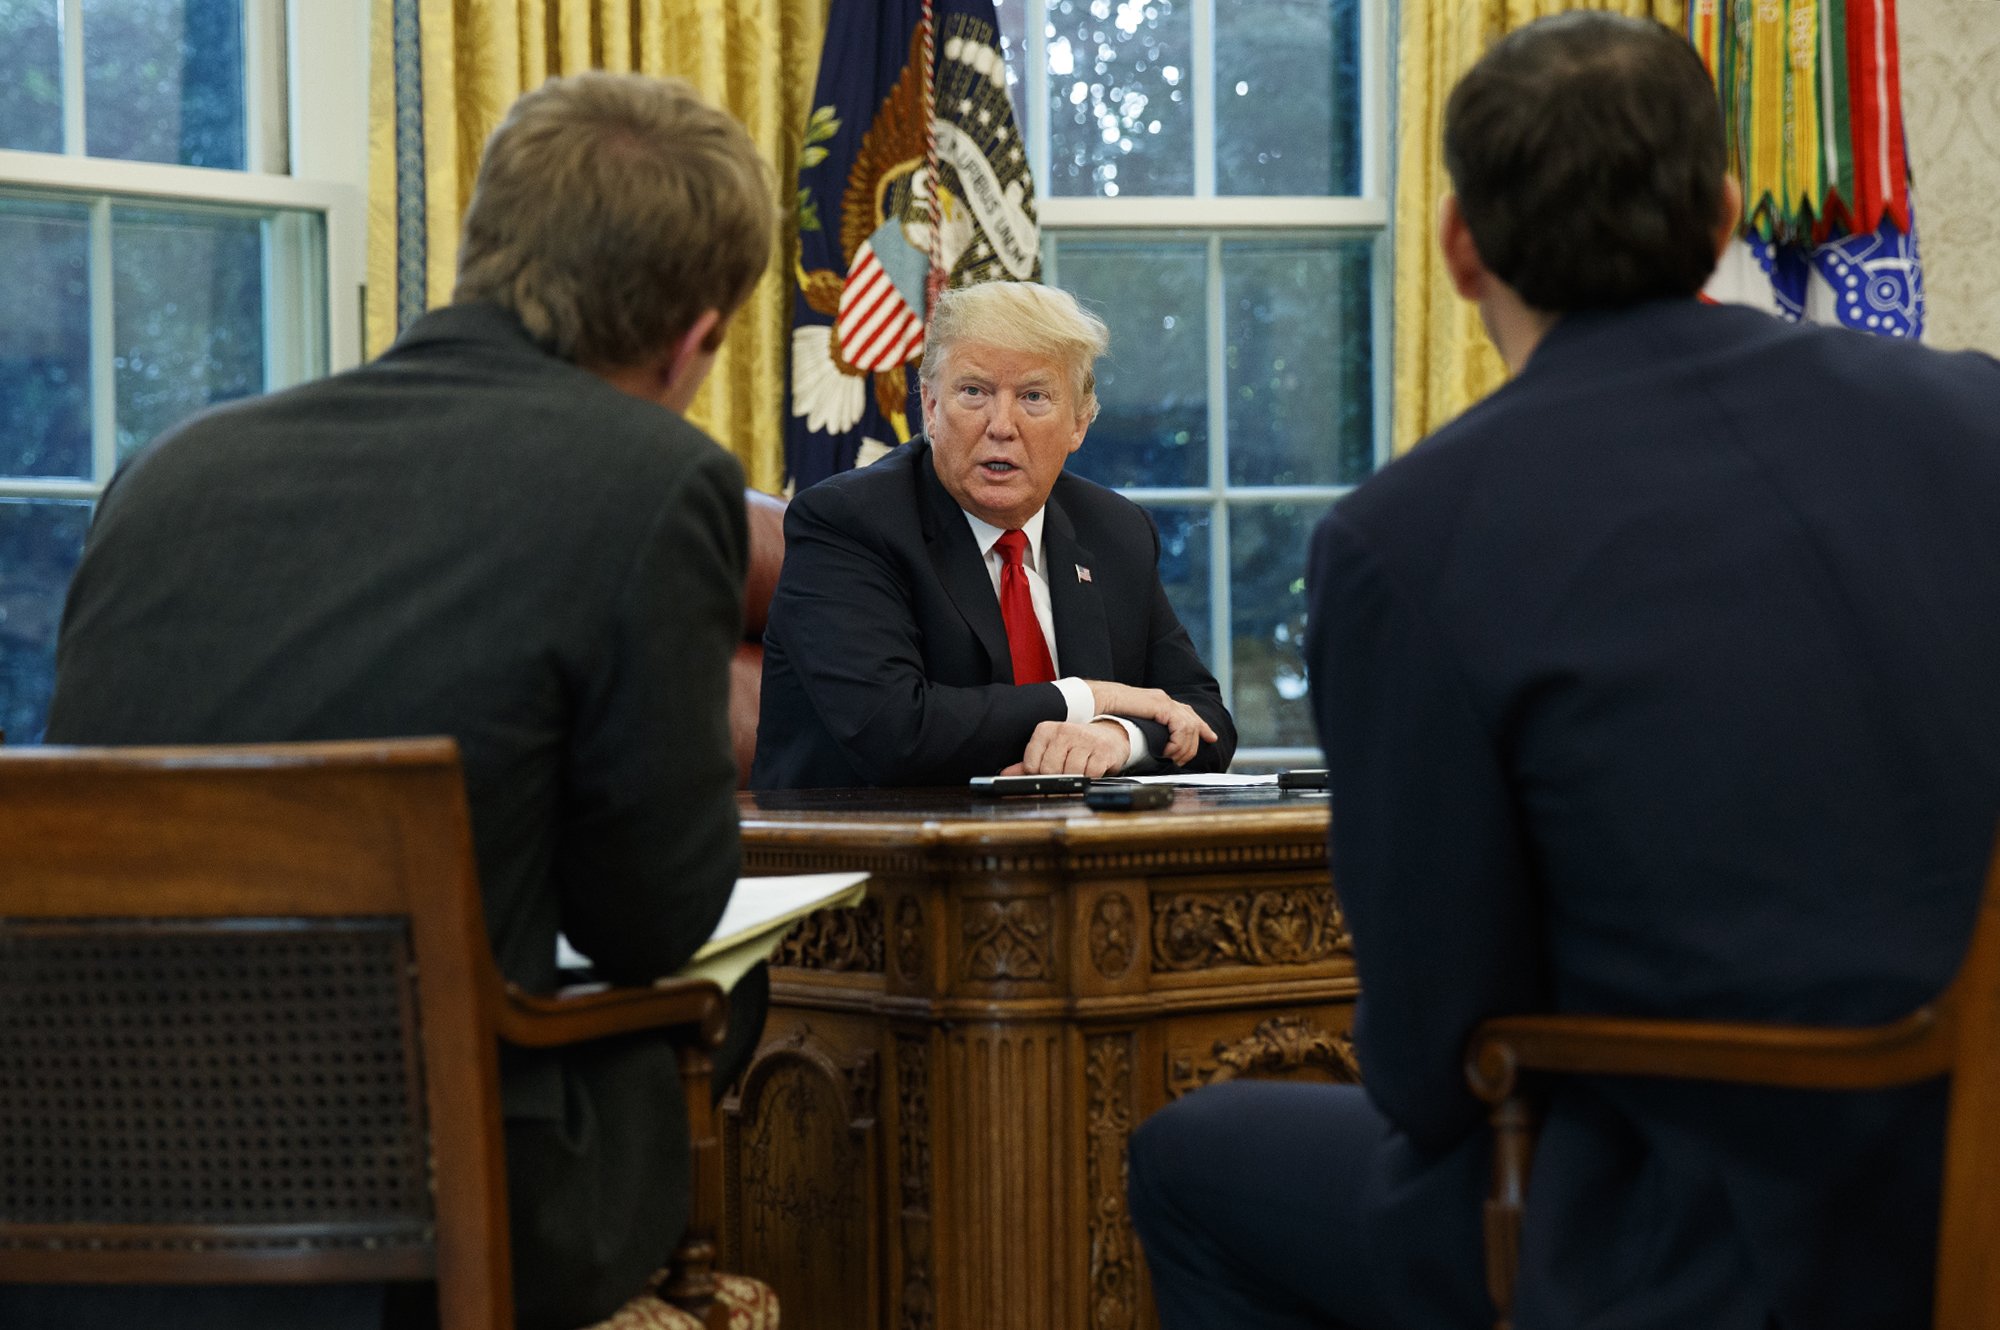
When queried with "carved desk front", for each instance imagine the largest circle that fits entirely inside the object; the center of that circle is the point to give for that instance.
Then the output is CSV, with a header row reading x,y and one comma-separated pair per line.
x,y
931,1135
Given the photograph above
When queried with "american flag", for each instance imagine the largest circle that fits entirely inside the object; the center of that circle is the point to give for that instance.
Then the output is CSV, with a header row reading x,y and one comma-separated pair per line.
x,y
876,327
911,168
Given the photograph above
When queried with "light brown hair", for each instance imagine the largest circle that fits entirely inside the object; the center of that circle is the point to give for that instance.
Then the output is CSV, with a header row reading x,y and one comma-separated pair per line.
x,y
610,211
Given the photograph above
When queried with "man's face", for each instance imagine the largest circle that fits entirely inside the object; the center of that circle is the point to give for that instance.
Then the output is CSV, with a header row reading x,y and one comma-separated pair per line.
x,y
1001,424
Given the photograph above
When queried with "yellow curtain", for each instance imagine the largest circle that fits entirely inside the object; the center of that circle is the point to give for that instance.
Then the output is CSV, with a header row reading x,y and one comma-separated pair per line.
x,y
443,72
1443,362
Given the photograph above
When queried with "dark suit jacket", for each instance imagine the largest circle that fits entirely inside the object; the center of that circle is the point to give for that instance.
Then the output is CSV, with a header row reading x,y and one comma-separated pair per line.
x,y
885,657
1666,682
465,537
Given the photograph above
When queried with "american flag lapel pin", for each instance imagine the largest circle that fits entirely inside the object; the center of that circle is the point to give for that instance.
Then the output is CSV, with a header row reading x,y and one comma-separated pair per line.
x,y
1082,573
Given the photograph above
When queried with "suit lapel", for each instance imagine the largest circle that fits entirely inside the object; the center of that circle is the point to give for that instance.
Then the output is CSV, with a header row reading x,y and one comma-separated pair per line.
x,y
955,558
1083,638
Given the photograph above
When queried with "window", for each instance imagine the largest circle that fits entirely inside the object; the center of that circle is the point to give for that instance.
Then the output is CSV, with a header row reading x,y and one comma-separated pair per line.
x,y
156,258
1214,184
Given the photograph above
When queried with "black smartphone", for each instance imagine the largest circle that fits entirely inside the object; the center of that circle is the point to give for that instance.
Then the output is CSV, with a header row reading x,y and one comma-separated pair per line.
x,y
1125,798
1304,778
1030,784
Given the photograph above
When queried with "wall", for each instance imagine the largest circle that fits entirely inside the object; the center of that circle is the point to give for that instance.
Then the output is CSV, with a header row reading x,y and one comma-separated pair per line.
x,y
1952,103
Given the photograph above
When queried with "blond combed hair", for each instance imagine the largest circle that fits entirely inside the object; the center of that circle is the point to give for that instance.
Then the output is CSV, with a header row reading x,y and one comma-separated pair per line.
x,y
611,211
1025,317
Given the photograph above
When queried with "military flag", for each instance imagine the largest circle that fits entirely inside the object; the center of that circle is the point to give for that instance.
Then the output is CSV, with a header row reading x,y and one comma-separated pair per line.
x,y
1812,107
913,177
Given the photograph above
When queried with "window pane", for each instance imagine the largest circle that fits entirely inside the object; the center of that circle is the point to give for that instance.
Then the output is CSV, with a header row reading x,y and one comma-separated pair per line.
x,y
1287,97
1184,563
30,75
1267,568
40,541
189,301
163,81
1152,384
1121,97
1013,19
1299,360
44,338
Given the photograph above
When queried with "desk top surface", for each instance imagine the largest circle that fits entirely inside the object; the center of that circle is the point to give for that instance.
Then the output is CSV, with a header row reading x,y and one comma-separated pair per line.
x,y
959,817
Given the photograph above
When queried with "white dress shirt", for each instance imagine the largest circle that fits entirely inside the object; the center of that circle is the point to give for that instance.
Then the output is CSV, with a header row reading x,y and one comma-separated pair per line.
x,y
1075,691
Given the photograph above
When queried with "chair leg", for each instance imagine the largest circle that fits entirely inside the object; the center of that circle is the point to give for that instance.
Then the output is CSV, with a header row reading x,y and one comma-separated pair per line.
x,y
691,1285
690,1282
1513,1150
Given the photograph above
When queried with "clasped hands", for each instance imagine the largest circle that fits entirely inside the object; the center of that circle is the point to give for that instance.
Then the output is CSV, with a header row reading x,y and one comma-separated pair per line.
x,y
1100,747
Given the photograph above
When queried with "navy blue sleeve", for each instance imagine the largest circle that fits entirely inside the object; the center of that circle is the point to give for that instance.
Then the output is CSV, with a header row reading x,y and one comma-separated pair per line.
x,y
1426,849
842,615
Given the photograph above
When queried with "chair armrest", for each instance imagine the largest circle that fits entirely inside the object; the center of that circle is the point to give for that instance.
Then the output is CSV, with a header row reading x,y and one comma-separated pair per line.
x,y
594,1011
697,1011
1913,1048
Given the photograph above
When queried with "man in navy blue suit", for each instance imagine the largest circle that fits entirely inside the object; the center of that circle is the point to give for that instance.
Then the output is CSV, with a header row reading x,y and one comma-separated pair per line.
x,y
1664,682
966,607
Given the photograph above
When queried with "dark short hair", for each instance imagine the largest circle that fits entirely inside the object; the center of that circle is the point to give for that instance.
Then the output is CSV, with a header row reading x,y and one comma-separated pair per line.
x,y
610,211
1586,150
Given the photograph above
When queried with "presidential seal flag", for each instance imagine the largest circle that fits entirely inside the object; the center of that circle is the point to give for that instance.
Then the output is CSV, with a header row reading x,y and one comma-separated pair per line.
x,y
913,177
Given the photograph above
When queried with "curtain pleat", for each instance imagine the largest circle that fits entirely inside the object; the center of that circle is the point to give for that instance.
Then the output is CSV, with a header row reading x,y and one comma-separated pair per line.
x,y
433,101
1443,362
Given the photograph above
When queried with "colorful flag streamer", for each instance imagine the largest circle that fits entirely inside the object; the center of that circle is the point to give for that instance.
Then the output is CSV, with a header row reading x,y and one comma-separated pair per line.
x,y
1812,108
913,176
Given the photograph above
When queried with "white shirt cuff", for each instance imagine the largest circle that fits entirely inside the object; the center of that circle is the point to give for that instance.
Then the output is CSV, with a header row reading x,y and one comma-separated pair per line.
x,y
1082,706
1082,711
1139,753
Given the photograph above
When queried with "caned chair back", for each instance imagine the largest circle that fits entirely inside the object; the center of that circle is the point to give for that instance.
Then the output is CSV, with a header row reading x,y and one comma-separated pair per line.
x,y
244,1022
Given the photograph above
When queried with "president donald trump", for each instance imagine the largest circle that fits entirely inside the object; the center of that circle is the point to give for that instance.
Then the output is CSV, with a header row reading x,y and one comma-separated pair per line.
x,y
964,606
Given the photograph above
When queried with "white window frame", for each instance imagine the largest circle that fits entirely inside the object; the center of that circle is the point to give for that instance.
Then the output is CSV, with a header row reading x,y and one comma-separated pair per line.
x,y
324,46
1364,214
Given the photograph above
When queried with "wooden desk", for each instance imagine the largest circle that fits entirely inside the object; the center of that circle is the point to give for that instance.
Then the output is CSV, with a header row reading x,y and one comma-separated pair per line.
x,y
931,1135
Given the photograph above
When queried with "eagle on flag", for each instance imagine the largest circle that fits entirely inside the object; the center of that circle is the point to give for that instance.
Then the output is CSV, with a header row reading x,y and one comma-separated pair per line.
x,y
913,177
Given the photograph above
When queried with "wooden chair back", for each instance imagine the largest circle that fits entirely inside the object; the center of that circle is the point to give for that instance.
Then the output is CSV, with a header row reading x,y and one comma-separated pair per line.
x,y
1956,1035
746,668
245,1022
1968,1294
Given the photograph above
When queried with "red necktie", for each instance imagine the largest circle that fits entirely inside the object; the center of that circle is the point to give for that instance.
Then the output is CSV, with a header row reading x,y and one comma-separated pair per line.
x,y
1025,642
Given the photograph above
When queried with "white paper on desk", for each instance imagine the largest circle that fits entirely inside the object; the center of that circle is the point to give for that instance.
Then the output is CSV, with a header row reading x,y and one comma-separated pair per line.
x,y
760,912
1212,779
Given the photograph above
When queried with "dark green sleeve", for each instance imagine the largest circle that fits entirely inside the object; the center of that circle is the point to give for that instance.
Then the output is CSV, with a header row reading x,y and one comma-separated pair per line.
x,y
650,848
